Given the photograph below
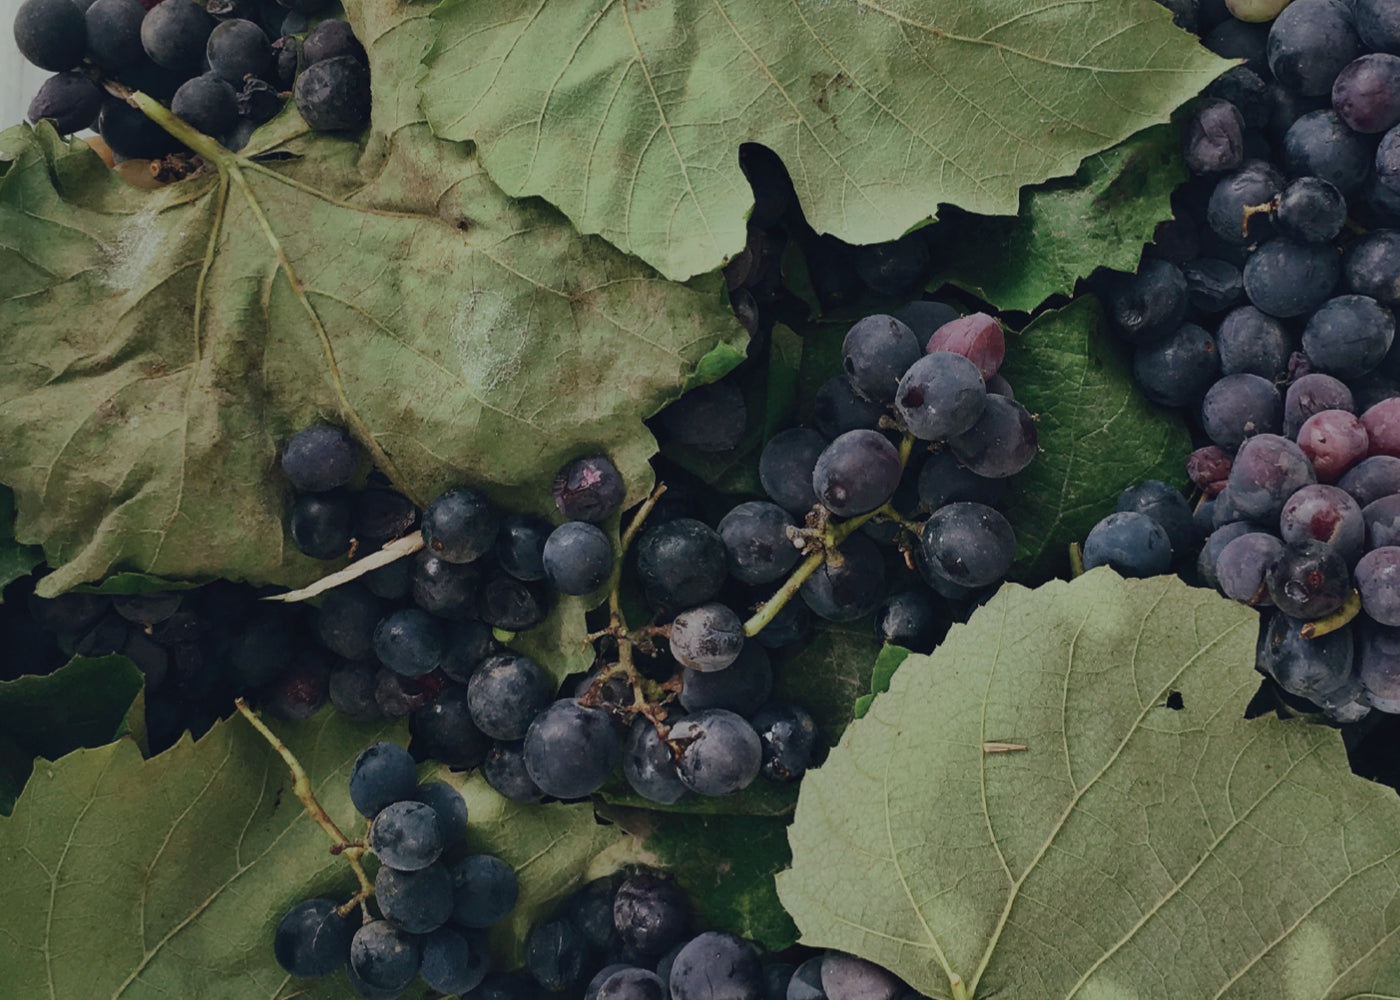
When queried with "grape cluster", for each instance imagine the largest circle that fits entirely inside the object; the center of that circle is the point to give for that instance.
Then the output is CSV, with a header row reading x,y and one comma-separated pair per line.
x,y
222,66
434,914
629,936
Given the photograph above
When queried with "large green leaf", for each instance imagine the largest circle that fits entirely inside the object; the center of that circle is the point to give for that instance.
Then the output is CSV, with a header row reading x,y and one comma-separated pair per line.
x,y
629,116
1128,850
147,880
81,704
1098,435
162,345
1065,229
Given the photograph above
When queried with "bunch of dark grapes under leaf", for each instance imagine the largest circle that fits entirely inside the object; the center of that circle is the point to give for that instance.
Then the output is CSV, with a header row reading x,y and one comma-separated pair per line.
x,y
223,67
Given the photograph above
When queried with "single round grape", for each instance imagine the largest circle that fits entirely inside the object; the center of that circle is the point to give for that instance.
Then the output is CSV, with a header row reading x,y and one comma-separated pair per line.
x,y
1318,669
415,901
1215,543
1388,161
1378,24
1240,406
383,773
1228,213
1372,478
1133,544
384,957
1378,580
70,100
856,473
850,589
520,546
1372,266
1311,210
1319,144
114,34
1309,580
969,543
443,730
909,619
578,557
681,563
707,637
1382,520
1177,370
651,913
1284,278
806,981
556,954
406,835
397,695
1325,514
1148,304
410,642
939,396
741,687
320,458
755,538
452,961
876,352
788,735
1001,443
1311,394
1267,470
719,752
460,525
51,34
450,807
237,48
1310,43
846,977
320,524
632,984
1366,93
1208,468
174,34
785,468
504,770
1165,505
649,765
313,939
589,489
570,750
837,409
485,890
977,337
1213,140
1349,335
944,480
716,966
445,589
506,693
1334,441
1382,423
512,605
207,103
328,39
1378,665
1242,564
333,95
1213,285
1254,343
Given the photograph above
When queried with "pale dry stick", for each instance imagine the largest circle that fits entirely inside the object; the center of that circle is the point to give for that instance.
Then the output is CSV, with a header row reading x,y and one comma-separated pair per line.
x,y
391,552
351,850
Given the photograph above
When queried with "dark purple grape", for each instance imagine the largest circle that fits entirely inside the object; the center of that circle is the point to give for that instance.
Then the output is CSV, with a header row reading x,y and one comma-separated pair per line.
x,y
1247,91
504,770
706,637
589,489
856,473
788,735
850,589
570,750
719,752
578,557
351,690
1001,443
410,642
114,34
512,605
333,95
1378,580
1235,39
1284,278
785,468
1312,394
320,524
1388,161
556,954
1382,423
940,395
755,537
837,408
1213,285
1268,469
443,588
1378,24
237,48
1325,514
1149,304
1132,544
454,961
1372,266
846,977
1372,478
1250,342
1165,505
1309,580
1310,43
1177,370
876,352
910,619
1319,669
681,563
460,525
406,835
649,765
313,939
520,546
1241,566
741,687
1213,139
1366,93
1378,665
1208,468
1310,210
70,100
1319,144
1349,335
174,34
1240,406
451,810
506,693
1382,520
1215,544
51,34
397,695
715,966
207,103
651,913
970,544
320,458
1255,184
331,38
943,480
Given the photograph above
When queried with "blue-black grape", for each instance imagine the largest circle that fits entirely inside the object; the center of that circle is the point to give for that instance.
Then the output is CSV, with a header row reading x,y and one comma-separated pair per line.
x,y
1388,161
651,913
504,770
924,317
681,563
570,750
505,694
346,620
1378,24
1177,370
556,954
1319,669
237,48
1213,139
320,458
838,408
719,752
51,34
130,133
910,619
174,34
894,267
1309,580
1372,478
460,525
1133,544
1311,210
70,100
578,557
940,395
785,468
944,480
1310,43
850,589
1002,442
1372,266
788,735
741,687
1165,505
406,835
876,352
416,901
320,524
970,544
520,546
589,488
1242,564
454,962
114,34
706,637
332,95
715,966
1213,285
1149,304
1254,184
1378,665
468,644
384,957
856,473
1377,577
328,39
649,765
450,807
806,981
1284,278
443,730
755,537
351,689
1328,514
313,939
846,977
1247,91
1238,406
410,642
383,773
485,890
445,589
1349,335
1319,144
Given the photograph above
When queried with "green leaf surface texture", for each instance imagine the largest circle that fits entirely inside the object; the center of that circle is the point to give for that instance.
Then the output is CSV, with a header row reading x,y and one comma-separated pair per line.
x,y
1130,851
628,116
163,345
146,880
1098,435
1065,229
16,560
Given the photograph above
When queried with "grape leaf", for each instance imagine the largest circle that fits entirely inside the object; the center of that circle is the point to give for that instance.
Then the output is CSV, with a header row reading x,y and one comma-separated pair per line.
x,y
725,864
885,665
1128,849
1098,435
628,116
16,560
163,344
1101,217
151,879
81,704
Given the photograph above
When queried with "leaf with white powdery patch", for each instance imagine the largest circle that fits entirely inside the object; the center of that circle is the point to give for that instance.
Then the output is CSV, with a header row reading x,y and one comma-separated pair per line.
x,y
1127,848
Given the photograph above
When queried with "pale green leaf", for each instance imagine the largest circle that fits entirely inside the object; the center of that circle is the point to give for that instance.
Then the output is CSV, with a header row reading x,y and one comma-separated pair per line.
x,y
1098,435
629,116
146,880
1129,851
461,336
1101,217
